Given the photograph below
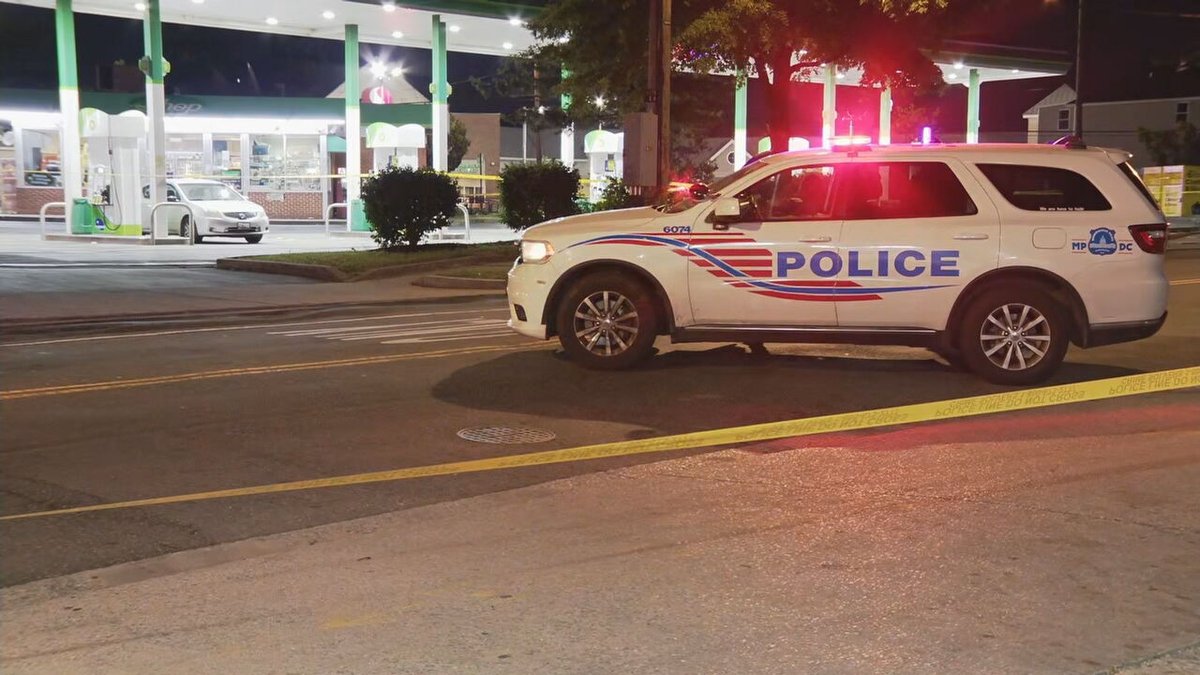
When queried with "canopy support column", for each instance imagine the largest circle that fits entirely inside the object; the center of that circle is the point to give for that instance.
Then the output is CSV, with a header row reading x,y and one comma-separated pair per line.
x,y
973,106
156,140
741,85
441,96
885,116
71,162
566,150
829,111
356,219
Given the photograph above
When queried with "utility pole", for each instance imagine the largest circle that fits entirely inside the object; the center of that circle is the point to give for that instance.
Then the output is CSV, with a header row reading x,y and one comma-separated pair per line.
x,y
1078,132
664,99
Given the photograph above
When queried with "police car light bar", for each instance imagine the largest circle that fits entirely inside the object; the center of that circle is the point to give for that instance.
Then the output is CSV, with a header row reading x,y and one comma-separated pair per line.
x,y
843,141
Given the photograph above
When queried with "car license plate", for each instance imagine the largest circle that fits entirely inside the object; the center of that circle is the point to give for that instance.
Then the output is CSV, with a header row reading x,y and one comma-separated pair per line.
x,y
243,225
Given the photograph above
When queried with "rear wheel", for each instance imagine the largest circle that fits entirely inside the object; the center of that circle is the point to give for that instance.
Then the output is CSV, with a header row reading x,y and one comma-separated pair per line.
x,y
607,321
253,238
1014,335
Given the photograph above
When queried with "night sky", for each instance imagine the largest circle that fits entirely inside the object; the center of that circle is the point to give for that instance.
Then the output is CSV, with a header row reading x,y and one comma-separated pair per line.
x,y
1133,49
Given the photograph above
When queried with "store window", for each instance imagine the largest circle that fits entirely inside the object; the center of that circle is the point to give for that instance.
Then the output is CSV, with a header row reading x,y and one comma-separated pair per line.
x,y
227,159
185,156
303,165
40,159
267,160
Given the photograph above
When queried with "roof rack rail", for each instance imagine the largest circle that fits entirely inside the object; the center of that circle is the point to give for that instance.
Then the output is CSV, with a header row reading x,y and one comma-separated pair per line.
x,y
1072,142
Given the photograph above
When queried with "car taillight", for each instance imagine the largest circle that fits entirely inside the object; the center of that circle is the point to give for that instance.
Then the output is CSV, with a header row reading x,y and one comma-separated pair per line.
x,y
1150,238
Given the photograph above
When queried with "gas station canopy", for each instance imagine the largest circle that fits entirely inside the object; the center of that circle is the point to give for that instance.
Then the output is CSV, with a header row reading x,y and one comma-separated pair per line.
x,y
474,26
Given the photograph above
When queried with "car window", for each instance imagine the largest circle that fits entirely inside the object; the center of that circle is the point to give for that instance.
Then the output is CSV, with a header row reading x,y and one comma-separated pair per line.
x,y
884,190
1044,188
210,192
172,195
799,193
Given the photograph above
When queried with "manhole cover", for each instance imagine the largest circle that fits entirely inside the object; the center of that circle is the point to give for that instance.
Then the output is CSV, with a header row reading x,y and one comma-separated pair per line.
x,y
507,435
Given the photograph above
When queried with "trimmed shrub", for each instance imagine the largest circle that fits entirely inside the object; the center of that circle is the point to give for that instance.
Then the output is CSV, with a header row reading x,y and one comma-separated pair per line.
x,y
615,196
404,204
536,192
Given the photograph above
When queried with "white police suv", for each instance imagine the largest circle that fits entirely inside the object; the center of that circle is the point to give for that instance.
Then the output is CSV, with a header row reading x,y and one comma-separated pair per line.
x,y
994,256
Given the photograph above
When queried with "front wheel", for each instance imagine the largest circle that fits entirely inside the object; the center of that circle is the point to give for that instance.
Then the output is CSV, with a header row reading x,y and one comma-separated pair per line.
x,y
1014,335
186,230
607,321
253,238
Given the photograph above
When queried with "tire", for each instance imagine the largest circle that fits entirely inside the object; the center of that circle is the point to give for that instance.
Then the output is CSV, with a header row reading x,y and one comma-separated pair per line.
x,y
1014,335
186,229
607,321
253,238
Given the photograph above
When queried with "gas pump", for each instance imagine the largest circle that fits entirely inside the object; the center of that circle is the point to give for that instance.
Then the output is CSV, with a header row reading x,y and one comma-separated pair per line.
x,y
605,151
395,145
112,144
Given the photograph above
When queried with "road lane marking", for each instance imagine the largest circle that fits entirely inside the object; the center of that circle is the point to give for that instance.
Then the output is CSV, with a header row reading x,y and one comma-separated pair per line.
x,y
59,390
215,329
1185,282
1129,385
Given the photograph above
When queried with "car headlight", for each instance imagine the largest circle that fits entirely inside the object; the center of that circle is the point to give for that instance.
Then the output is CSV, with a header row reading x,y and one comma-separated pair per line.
x,y
213,212
536,251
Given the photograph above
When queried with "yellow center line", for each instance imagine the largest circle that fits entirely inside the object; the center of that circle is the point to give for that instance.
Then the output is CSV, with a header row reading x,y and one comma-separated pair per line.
x,y
14,394
1185,282
1129,385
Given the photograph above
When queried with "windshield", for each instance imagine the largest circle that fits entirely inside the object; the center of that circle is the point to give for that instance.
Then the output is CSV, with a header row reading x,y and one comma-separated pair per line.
x,y
686,202
204,192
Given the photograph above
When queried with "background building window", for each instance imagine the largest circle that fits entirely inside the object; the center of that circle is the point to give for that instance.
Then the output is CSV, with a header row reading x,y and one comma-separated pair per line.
x,y
1064,119
1181,112
40,158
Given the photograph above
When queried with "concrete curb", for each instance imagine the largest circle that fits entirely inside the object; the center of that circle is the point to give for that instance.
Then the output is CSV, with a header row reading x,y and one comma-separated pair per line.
x,y
442,281
318,272
327,273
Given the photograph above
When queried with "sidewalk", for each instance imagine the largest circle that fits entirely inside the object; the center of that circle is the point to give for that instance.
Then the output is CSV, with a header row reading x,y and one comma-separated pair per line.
x,y
830,560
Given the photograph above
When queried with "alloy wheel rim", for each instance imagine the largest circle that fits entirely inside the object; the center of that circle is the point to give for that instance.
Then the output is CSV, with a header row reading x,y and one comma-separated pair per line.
x,y
606,323
1015,337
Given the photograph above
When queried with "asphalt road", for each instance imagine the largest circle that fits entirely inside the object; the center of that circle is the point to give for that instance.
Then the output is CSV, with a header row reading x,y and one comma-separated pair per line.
x,y
220,416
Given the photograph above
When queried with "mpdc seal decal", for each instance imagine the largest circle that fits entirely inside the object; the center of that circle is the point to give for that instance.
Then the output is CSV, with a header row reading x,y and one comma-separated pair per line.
x,y
1103,241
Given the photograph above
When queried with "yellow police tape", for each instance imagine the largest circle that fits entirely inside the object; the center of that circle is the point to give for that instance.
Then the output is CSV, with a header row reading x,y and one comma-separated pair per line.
x,y
1182,378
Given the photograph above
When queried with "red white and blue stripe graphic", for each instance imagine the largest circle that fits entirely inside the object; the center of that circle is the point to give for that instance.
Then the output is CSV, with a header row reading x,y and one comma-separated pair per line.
x,y
735,260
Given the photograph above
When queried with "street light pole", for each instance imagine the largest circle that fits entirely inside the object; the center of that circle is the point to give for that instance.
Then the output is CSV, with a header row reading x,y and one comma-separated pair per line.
x,y
1078,132
664,100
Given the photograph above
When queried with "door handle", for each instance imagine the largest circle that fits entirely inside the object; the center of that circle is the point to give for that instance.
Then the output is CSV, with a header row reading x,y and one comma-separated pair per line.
x,y
971,237
815,240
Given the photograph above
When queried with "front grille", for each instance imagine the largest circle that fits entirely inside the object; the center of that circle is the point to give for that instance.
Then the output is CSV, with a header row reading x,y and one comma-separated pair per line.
x,y
239,215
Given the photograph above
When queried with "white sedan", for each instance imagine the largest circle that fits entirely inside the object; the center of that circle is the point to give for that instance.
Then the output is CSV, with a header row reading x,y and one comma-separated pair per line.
x,y
219,211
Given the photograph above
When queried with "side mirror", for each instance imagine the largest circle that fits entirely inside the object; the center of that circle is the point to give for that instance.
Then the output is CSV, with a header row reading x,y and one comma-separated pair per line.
x,y
727,210
172,198
698,191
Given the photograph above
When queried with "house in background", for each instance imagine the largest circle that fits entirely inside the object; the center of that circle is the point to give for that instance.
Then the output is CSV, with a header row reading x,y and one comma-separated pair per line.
x,y
1112,124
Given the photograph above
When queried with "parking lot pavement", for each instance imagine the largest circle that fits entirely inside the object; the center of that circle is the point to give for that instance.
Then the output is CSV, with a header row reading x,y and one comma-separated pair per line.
x,y
22,247
1075,555
42,281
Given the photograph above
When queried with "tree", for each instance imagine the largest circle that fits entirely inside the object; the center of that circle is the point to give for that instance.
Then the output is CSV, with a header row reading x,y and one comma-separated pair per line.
x,y
1180,145
761,37
403,204
458,143
782,40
